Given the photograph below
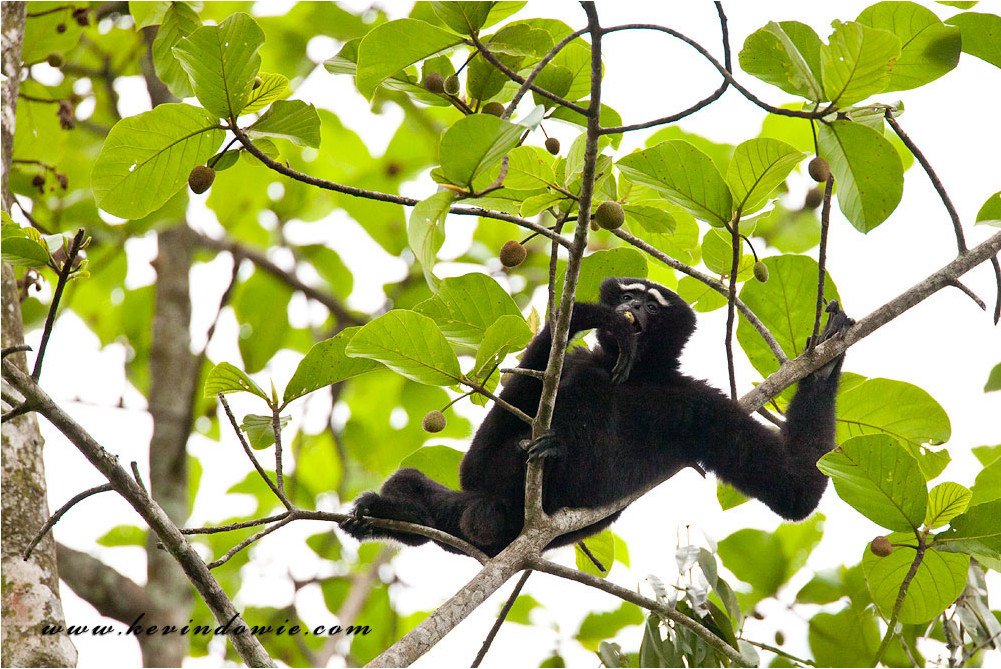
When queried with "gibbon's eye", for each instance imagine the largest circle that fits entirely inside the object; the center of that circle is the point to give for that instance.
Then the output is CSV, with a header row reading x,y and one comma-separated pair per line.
x,y
626,297
651,307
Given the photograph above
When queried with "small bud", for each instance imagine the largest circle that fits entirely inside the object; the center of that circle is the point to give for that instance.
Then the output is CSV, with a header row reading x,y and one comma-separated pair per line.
x,y
513,253
434,421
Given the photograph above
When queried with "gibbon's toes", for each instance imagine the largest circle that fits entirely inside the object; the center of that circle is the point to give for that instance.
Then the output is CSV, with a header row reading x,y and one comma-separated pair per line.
x,y
546,446
356,524
837,321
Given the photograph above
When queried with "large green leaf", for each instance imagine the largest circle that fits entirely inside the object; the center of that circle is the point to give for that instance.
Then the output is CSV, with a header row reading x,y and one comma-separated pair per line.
x,y
146,158
928,47
757,168
179,22
463,17
507,334
880,479
936,584
227,378
222,62
263,330
787,55
474,144
426,231
325,364
981,35
867,170
395,45
600,265
848,638
946,501
528,168
901,410
439,463
597,627
410,344
293,120
685,176
977,531
465,306
786,304
857,62
273,87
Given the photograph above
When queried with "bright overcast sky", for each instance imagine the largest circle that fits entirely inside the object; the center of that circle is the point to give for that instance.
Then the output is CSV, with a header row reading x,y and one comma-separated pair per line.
x,y
946,345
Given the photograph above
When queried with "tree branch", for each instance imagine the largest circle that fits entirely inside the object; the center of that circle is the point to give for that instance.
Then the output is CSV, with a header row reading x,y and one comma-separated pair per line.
x,y
111,593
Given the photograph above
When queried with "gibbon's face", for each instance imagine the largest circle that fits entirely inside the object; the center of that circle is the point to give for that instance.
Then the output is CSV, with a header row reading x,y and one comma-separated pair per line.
x,y
644,301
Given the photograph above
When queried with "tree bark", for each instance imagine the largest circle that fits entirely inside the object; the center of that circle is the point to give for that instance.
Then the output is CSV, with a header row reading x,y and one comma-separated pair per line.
x,y
30,596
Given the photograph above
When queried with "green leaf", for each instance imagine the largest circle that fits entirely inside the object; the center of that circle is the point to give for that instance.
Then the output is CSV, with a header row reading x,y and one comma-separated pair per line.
x,y
507,334
395,45
787,55
880,479
326,364
439,463
755,557
179,22
521,611
465,18
260,431
976,532
528,168
848,638
226,378
273,87
757,168
728,496
991,210
410,344
262,331
474,144
685,176
901,410
939,580
466,306
981,35
928,47
867,170
786,304
602,547
857,63
596,627
293,120
146,158
600,265
650,217
123,535
426,231
24,247
994,380
945,502
148,13
222,62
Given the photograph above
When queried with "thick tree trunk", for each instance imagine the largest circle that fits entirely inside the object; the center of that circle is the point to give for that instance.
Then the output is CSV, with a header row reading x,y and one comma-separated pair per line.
x,y
30,595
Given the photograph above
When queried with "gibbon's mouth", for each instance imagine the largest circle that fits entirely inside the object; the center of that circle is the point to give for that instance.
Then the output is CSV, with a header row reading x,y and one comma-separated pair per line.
x,y
635,322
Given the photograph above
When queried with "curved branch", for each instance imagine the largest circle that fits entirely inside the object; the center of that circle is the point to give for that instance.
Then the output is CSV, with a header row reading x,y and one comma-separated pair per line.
x,y
60,512
527,83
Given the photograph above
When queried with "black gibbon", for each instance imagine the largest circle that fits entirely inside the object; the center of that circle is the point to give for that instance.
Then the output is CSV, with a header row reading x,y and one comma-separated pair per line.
x,y
625,417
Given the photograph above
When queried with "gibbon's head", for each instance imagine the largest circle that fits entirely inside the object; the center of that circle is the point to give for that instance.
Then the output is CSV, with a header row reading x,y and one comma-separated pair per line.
x,y
662,320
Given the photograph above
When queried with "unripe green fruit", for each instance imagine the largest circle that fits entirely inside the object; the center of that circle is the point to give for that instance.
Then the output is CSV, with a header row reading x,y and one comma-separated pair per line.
x,y
761,271
513,253
434,83
452,85
609,215
434,421
200,178
814,198
780,638
881,546
54,59
493,108
819,170
553,145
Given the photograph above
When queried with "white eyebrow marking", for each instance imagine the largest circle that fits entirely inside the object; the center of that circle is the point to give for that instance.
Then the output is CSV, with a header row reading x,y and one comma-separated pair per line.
x,y
633,286
657,296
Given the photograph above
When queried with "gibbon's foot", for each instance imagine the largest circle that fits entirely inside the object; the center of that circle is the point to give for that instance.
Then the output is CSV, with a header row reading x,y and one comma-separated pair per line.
x,y
356,524
837,324
546,446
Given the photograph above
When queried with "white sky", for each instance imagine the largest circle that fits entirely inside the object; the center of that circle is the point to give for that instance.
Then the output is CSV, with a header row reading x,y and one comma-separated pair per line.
x,y
946,345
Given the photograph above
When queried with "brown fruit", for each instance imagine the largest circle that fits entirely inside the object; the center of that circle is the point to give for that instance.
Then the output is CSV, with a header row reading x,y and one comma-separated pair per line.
x,y
200,178
881,546
54,59
819,170
61,28
814,198
452,85
493,108
609,215
434,83
81,16
513,253
434,421
553,145
761,271
38,181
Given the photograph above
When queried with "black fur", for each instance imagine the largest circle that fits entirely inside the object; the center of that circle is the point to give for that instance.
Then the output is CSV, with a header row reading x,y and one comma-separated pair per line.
x,y
625,417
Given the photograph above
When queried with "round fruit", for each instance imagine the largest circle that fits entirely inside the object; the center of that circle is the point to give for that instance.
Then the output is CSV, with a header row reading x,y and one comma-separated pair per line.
x,y
200,178
814,198
609,215
780,638
819,170
61,28
881,546
493,108
513,253
434,421
54,59
761,271
435,83
553,145
452,85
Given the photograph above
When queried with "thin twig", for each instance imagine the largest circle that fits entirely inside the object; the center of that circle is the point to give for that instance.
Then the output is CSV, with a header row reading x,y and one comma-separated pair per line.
x,y
501,617
919,555
504,404
534,373
969,293
779,651
590,556
276,427
731,300
135,474
825,224
530,79
249,540
54,518
235,526
50,318
250,453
